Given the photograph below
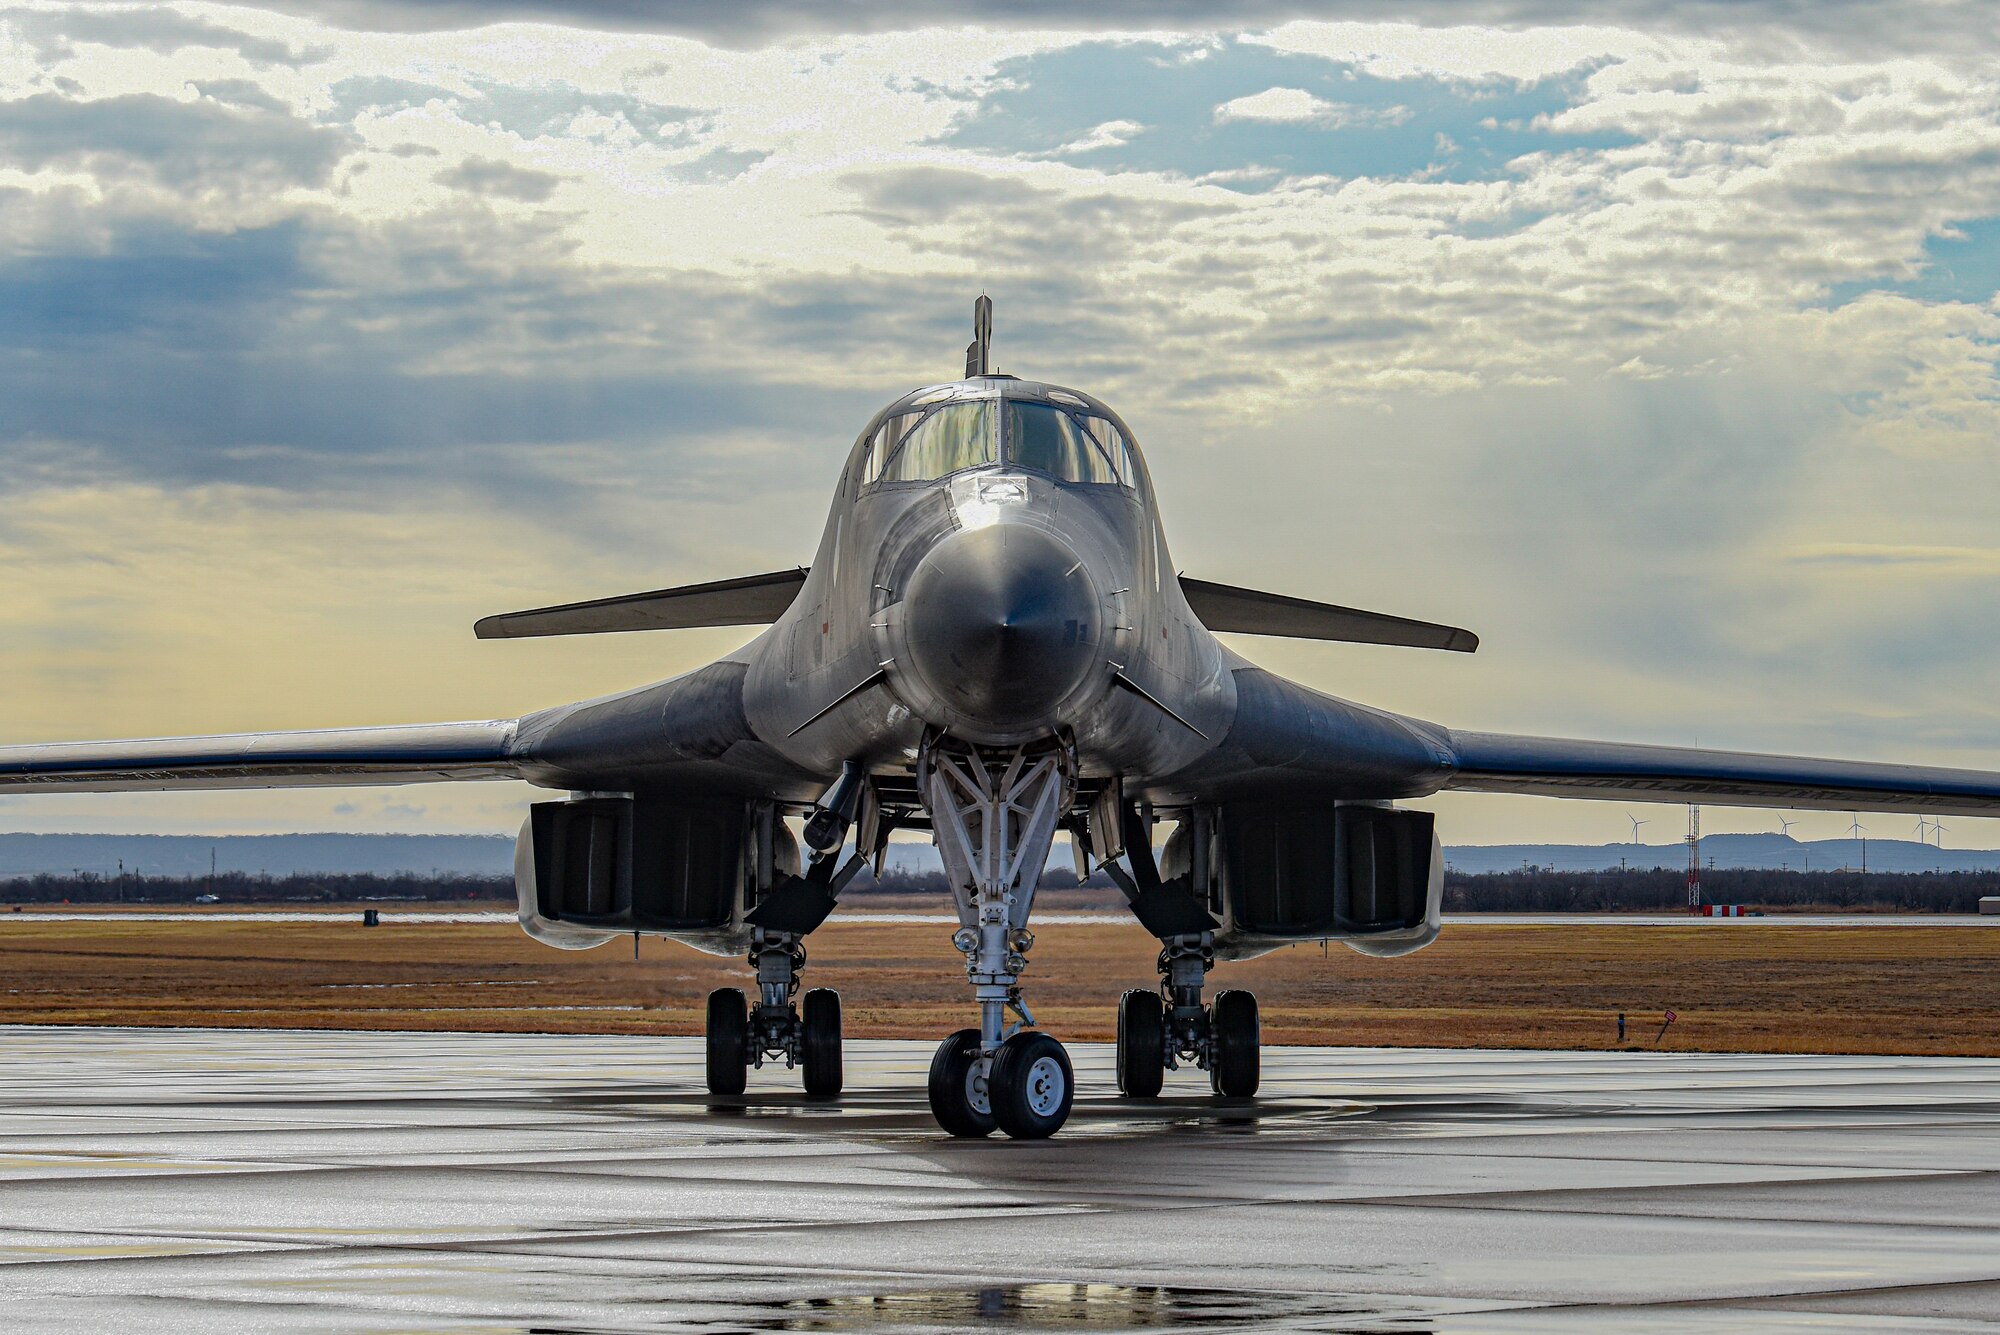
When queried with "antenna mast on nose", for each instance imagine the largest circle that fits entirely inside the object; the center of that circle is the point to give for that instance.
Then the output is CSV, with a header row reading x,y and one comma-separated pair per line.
x,y
979,352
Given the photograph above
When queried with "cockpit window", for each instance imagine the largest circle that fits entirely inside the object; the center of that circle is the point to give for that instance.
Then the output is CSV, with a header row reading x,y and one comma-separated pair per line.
x,y
959,435
1116,447
1066,446
921,444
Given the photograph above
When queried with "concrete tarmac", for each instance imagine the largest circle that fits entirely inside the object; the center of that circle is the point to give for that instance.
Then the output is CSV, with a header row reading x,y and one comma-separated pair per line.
x,y
1070,919
233,1181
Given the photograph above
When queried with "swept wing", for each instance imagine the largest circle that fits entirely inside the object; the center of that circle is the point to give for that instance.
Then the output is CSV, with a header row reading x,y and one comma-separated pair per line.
x,y
751,600
423,753
1491,762
1229,609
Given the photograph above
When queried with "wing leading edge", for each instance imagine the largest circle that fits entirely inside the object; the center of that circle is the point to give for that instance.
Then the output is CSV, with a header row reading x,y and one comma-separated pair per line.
x,y
1490,762
339,757
1233,610
751,600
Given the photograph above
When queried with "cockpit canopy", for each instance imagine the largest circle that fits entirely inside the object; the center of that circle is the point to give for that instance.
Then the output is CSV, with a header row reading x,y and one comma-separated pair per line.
x,y
992,420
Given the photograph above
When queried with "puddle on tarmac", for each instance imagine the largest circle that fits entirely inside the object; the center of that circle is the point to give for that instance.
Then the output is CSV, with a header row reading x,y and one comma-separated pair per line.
x,y
1070,1306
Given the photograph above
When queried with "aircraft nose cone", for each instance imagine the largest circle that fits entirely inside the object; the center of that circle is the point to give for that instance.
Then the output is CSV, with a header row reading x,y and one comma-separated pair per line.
x,y
1002,623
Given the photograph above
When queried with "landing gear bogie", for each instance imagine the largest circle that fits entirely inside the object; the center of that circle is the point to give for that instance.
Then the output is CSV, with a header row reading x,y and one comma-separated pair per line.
x,y
743,1034
1158,1031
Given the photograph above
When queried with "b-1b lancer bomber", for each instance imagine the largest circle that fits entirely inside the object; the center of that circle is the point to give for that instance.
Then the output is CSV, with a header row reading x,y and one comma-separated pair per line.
x,y
991,645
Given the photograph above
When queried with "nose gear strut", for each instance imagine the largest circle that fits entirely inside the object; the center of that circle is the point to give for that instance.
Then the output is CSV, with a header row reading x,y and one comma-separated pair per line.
x,y
995,812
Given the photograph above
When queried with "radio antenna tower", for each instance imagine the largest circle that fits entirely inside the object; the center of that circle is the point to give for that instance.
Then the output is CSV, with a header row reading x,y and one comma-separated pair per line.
x,y
1694,858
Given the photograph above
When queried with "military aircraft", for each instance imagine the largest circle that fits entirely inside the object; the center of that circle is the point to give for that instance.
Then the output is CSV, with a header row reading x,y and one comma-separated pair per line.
x,y
992,645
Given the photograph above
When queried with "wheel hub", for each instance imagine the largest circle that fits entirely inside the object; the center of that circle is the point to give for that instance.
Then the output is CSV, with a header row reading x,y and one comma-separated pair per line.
x,y
1046,1086
977,1096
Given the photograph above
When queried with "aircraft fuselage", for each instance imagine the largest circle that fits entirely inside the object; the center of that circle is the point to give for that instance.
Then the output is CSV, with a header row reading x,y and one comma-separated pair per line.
x,y
998,603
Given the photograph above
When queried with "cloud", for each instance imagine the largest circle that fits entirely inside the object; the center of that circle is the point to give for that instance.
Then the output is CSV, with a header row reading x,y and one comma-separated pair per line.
x,y
1109,134
1663,357
1295,106
1853,26
1983,561
240,93
202,144
490,176
55,34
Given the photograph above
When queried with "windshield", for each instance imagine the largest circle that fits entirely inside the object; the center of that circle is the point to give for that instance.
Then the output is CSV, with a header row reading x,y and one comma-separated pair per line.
x,y
1067,446
959,435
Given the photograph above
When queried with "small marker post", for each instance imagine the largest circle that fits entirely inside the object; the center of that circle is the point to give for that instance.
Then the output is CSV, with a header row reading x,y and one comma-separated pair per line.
x,y
1671,1017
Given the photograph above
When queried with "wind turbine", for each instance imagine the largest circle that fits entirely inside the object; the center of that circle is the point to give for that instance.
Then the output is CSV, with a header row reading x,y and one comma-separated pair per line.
x,y
1860,831
1937,828
1923,827
1785,832
1636,823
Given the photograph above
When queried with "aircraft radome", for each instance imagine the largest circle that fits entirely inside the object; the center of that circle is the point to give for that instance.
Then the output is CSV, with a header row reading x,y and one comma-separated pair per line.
x,y
992,645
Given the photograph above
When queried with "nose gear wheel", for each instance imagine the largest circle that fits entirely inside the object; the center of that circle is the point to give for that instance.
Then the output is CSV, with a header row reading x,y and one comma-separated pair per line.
x,y
1032,1086
959,1099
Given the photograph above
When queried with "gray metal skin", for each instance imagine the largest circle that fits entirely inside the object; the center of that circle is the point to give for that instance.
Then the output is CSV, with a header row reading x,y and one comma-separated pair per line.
x,y
909,575
770,719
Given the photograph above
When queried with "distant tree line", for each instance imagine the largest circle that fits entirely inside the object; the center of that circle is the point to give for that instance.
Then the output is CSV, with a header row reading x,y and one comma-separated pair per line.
x,y
1530,890
242,888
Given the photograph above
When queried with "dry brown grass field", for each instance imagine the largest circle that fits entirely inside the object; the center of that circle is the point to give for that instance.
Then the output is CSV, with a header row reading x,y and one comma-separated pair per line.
x,y
1743,988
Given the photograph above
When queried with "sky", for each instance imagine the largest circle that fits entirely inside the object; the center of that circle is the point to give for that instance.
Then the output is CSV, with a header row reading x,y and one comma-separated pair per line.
x,y
1655,343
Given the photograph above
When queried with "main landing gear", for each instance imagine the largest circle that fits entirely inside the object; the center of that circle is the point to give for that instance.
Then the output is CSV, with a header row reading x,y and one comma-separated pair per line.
x,y
806,1036
995,813
741,1034
1159,1030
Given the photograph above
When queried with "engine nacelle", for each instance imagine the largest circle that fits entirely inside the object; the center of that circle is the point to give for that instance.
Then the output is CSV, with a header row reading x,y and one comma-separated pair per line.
x,y
1370,877
595,869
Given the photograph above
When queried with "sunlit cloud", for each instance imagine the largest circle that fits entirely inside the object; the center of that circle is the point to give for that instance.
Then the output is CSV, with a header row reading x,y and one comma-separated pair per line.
x,y
1295,106
1658,345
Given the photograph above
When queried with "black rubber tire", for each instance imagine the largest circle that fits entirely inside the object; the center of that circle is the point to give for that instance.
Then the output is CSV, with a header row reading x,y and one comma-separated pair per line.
x,y
1031,1086
1142,1045
951,1071
1233,1066
728,1041
819,1043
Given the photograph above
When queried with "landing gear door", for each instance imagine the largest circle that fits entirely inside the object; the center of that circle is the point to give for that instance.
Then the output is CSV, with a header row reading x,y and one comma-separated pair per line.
x,y
1107,821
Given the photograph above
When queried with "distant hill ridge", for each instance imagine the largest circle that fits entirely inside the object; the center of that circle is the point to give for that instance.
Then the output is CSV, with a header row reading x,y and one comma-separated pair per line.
x,y
1759,852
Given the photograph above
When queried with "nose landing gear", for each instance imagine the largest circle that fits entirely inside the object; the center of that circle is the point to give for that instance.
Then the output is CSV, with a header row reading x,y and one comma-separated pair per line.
x,y
995,814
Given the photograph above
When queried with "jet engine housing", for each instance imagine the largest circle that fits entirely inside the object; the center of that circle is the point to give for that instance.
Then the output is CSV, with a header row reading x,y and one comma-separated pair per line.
x,y
1367,875
596,868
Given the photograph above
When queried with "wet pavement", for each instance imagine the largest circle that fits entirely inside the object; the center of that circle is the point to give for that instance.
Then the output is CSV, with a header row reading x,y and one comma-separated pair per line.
x,y
254,1181
854,916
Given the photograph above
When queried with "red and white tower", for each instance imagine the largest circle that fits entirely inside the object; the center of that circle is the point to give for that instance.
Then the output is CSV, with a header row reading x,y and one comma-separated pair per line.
x,y
1694,859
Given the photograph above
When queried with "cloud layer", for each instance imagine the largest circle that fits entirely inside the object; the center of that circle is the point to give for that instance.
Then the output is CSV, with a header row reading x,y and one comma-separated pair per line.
x,y
1656,343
